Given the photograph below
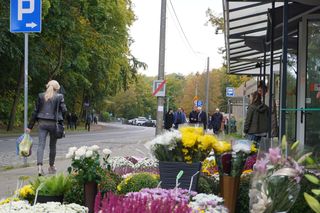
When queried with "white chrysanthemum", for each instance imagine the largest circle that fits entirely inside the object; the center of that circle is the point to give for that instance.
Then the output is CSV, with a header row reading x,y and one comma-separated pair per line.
x,y
167,138
72,149
94,148
80,152
69,155
106,151
89,153
242,146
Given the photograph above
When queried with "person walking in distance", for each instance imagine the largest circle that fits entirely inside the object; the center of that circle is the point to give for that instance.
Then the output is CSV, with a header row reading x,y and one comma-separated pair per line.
x,y
202,118
49,106
168,120
88,122
74,120
256,123
216,121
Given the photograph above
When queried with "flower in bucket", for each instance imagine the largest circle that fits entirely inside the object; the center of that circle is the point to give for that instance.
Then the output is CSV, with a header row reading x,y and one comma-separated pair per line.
x,y
86,162
189,145
231,157
275,184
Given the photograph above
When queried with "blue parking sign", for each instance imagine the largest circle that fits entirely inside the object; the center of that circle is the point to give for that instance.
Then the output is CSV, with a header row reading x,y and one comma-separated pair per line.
x,y
25,16
230,92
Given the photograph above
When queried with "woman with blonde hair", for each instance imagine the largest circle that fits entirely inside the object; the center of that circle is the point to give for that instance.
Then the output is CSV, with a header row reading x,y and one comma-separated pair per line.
x,y
49,108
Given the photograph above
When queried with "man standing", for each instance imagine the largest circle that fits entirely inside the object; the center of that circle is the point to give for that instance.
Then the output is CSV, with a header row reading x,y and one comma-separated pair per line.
x,y
168,122
202,118
179,118
193,116
216,121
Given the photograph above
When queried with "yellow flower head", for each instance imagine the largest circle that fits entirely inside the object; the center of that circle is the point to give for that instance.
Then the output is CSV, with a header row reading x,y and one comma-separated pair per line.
x,y
221,147
206,142
26,190
253,148
189,139
185,151
193,130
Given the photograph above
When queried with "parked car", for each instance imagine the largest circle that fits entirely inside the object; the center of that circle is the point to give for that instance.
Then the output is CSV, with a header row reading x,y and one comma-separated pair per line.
x,y
132,121
149,123
140,121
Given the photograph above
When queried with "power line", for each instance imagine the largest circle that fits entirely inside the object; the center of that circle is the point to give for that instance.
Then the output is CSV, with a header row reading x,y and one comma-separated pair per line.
x,y
185,37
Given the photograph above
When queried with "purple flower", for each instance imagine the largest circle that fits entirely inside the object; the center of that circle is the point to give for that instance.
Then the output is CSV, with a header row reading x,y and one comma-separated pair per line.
x,y
261,165
274,155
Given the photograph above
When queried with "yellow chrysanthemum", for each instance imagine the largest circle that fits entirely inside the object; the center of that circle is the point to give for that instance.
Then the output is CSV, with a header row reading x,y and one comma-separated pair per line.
x,y
248,171
189,139
119,188
8,200
187,158
206,142
221,147
25,191
185,151
253,148
193,130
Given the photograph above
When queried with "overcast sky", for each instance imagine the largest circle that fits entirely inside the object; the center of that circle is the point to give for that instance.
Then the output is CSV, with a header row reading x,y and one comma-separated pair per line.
x,y
180,57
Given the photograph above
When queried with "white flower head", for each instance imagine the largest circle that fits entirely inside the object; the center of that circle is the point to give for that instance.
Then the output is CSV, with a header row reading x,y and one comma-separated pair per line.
x,y
106,151
81,152
242,145
69,155
94,148
89,153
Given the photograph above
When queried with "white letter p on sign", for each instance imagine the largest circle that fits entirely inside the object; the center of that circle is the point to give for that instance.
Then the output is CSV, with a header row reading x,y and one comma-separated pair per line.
x,y
22,10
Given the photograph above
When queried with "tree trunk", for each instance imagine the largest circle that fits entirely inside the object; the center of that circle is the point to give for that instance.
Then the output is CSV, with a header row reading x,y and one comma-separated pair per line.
x,y
16,98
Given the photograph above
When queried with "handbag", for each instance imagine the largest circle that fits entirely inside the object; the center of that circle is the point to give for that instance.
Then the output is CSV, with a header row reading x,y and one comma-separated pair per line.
x,y
59,130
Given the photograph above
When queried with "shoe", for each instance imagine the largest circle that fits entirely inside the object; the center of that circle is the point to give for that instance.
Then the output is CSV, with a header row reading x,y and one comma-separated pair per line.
x,y
52,170
40,171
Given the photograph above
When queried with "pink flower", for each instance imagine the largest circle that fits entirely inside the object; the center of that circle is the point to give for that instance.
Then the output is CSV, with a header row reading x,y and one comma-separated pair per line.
x,y
261,165
274,155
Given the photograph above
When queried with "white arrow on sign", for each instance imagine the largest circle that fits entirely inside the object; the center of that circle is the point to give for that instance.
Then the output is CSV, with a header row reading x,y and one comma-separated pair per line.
x,y
32,25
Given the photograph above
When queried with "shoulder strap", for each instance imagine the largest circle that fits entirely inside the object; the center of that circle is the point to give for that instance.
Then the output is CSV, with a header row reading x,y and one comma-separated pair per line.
x,y
58,103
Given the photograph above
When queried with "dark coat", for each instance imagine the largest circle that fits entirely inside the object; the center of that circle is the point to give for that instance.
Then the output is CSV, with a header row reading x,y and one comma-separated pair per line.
x,y
47,110
168,120
257,119
179,118
193,117
202,119
216,120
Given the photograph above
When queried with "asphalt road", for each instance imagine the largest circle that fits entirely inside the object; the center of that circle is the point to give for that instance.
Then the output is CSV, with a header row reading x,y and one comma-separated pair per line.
x,y
123,140
113,136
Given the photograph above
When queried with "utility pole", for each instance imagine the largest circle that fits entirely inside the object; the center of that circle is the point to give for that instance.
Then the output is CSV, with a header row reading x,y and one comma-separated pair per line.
x,y
162,46
207,90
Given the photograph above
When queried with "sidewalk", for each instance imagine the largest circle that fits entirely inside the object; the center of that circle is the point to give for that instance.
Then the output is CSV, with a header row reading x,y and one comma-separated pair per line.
x,y
9,178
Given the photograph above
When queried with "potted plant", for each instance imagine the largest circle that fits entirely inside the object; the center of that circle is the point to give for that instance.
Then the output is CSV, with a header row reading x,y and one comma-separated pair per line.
x,y
87,169
181,150
51,188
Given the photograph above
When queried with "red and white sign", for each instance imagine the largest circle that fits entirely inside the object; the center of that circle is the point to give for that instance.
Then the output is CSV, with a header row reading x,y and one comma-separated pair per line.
x,y
314,87
159,88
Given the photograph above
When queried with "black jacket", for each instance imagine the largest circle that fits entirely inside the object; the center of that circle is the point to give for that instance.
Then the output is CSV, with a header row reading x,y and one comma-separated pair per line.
x,y
47,110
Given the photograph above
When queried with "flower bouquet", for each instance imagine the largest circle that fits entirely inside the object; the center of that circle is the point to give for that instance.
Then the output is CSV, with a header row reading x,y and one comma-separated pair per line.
x,y
231,159
275,184
181,150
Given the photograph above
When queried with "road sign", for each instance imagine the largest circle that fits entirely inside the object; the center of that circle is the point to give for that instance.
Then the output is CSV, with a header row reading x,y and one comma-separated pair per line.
x,y
230,92
159,88
199,103
25,16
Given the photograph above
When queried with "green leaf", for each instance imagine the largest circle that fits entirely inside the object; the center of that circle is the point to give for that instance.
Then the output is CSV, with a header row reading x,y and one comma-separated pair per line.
x,y
312,178
304,157
284,143
310,160
316,191
312,202
295,145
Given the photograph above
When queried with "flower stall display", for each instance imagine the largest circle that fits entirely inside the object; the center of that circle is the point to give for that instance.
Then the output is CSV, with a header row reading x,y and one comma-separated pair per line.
x,y
181,150
231,158
87,168
276,182
52,207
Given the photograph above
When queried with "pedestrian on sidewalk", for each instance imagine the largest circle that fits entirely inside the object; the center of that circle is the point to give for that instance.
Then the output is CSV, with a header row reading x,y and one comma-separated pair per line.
x,y
216,121
88,122
49,108
168,122
256,123
202,118
193,115
179,118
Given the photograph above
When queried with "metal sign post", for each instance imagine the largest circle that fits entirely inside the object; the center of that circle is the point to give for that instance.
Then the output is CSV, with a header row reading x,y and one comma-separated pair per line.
x,y
25,17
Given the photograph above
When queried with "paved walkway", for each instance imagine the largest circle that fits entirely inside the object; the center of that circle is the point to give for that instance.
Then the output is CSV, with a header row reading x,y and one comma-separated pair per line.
x,y
9,178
